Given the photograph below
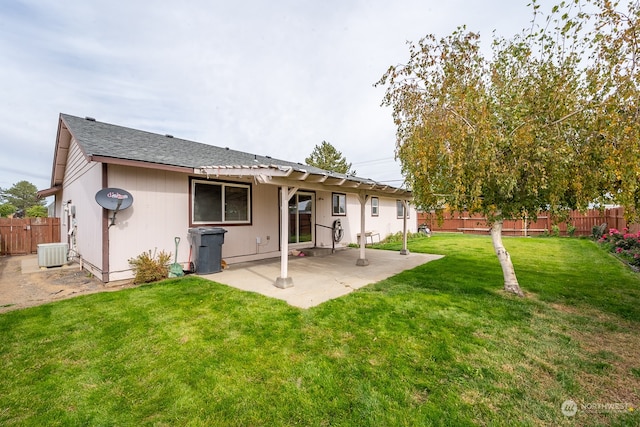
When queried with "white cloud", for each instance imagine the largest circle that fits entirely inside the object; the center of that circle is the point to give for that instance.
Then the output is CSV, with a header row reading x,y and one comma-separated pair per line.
x,y
272,78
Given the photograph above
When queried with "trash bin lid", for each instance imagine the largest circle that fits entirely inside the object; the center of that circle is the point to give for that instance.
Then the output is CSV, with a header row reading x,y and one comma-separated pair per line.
x,y
207,230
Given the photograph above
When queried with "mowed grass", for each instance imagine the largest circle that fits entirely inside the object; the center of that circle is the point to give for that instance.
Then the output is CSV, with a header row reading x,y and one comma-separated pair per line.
x,y
437,345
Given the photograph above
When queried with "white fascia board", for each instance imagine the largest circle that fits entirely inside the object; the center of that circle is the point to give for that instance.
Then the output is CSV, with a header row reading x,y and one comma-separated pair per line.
x,y
243,171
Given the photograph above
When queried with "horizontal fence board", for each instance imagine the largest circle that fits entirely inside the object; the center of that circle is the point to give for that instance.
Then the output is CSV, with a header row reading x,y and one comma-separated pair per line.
x,y
463,222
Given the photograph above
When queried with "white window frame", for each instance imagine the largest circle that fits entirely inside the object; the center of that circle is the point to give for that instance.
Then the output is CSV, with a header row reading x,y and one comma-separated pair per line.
x,y
375,206
400,209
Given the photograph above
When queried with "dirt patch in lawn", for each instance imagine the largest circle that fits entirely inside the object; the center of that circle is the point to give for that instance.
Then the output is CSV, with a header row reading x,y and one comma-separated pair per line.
x,y
610,350
23,284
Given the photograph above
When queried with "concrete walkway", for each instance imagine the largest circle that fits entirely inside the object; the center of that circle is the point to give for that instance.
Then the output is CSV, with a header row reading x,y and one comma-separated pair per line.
x,y
318,279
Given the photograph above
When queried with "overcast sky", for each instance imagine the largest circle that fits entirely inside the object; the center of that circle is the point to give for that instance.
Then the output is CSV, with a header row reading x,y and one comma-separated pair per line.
x,y
270,77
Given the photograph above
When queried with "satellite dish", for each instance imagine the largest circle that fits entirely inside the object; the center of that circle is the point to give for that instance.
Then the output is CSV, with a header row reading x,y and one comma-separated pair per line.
x,y
114,199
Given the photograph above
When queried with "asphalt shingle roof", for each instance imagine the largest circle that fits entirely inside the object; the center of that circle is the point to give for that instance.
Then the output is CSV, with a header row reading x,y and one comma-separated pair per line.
x,y
118,142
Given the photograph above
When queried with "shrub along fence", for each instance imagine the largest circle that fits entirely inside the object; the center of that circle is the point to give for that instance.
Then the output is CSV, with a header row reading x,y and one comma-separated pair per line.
x,y
578,224
20,236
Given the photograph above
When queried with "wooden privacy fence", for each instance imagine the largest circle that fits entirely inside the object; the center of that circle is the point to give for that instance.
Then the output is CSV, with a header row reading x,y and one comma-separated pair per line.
x,y
583,222
22,236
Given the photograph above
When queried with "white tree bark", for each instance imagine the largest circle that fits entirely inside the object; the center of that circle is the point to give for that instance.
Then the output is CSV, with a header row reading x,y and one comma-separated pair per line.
x,y
510,279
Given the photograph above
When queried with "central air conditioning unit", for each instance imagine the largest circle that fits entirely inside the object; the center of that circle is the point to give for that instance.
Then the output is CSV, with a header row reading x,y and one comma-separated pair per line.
x,y
52,254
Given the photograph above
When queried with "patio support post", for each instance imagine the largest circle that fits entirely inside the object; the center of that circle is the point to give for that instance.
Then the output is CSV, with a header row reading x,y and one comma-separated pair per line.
x,y
284,281
362,261
405,209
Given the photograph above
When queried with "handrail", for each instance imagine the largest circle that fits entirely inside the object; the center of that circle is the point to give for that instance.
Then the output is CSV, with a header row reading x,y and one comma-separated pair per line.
x,y
333,237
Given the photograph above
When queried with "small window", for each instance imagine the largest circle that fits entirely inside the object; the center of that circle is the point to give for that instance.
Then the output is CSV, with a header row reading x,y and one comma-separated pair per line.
x,y
220,203
375,203
339,204
400,209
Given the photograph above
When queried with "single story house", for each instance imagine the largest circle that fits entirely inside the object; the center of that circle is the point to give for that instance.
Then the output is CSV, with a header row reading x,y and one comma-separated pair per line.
x,y
268,207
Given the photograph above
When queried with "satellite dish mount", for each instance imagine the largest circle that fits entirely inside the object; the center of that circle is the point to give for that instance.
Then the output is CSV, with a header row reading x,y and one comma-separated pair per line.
x,y
114,199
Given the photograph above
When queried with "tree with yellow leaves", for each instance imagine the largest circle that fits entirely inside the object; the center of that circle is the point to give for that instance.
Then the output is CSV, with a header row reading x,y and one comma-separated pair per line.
x,y
550,122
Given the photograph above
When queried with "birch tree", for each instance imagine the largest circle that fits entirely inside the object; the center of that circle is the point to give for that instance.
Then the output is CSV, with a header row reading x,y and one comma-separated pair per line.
x,y
548,122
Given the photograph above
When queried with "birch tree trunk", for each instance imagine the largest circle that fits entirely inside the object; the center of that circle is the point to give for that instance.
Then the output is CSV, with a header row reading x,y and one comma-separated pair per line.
x,y
510,279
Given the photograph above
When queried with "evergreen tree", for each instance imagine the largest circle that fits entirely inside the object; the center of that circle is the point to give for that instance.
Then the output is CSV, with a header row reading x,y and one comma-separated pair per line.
x,y
325,156
22,196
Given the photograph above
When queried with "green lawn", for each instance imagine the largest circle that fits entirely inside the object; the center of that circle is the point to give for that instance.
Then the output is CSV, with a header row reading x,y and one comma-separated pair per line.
x,y
437,345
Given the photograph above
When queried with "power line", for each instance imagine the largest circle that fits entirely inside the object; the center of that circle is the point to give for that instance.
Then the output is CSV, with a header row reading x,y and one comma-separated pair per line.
x,y
373,161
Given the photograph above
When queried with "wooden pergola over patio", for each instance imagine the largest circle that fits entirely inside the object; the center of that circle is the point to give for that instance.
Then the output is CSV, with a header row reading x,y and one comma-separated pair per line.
x,y
290,179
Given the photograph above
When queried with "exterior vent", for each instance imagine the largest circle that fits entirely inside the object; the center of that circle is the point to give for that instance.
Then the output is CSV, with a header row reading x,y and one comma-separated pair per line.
x,y
169,136
52,254
91,119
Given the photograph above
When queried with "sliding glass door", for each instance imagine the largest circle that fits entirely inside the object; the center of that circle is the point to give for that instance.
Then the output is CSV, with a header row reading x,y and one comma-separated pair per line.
x,y
302,219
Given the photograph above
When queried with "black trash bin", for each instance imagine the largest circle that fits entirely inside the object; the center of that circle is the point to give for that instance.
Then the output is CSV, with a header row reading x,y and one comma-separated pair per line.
x,y
206,247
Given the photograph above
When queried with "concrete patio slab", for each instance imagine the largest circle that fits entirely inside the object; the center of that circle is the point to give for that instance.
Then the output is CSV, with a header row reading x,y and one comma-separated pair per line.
x,y
318,279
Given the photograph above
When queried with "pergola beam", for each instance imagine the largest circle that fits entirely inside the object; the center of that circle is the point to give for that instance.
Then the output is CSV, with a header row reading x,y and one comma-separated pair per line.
x,y
286,175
